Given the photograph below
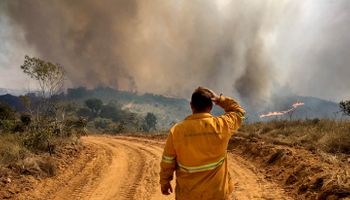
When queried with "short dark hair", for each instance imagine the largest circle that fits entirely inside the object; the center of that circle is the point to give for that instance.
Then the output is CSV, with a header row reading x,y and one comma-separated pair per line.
x,y
201,100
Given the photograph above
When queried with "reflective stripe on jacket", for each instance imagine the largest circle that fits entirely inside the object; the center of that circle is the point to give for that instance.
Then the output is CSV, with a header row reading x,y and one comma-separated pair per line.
x,y
196,150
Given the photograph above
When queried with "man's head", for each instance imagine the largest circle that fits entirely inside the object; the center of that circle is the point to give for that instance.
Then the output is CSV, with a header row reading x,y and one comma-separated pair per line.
x,y
201,101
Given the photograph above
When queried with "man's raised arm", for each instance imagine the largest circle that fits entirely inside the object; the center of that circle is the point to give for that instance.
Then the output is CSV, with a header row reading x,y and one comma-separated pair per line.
x,y
234,113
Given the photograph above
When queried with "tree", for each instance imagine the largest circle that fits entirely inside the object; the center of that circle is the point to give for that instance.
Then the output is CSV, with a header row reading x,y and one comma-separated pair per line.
x,y
25,101
150,122
26,119
49,76
6,112
94,105
111,112
76,93
345,107
85,112
102,123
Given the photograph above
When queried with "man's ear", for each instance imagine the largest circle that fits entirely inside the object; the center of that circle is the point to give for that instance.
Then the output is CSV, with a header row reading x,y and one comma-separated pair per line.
x,y
211,108
193,110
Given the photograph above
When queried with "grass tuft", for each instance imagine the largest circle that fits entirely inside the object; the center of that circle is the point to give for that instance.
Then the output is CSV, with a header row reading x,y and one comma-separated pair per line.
x,y
327,135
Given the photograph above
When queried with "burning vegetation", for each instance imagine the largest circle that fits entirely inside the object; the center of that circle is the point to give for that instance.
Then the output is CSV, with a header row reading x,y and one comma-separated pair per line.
x,y
115,49
280,113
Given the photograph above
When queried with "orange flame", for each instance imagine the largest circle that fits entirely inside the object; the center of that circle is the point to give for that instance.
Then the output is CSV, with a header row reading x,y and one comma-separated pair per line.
x,y
280,113
297,104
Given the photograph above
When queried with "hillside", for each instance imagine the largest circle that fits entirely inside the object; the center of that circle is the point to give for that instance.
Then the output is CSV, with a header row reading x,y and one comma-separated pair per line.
x,y
313,108
170,110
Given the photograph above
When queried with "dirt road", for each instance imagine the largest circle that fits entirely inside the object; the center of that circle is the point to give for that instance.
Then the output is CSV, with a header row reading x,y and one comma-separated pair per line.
x,y
127,168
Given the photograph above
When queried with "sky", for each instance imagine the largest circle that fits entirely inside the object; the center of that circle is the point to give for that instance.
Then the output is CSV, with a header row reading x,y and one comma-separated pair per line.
x,y
253,49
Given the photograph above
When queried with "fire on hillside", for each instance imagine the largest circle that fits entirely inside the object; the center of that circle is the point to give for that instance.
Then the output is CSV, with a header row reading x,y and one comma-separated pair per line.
x,y
280,113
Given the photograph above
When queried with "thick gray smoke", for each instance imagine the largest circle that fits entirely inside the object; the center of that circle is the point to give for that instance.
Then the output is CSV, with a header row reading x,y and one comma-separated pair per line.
x,y
88,38
241,48
167,47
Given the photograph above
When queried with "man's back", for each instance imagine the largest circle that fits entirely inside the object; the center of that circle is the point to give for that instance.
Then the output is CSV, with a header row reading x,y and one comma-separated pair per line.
x,y
196,150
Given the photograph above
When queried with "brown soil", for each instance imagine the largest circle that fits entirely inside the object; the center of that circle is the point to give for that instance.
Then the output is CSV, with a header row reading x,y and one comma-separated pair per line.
x,y
302,173
122,167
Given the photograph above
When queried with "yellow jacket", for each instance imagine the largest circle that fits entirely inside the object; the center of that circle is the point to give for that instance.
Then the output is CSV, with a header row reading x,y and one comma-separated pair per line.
x,y
196,150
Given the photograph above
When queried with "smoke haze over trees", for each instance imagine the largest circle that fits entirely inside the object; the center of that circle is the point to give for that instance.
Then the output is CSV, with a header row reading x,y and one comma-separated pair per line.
x,y
247,49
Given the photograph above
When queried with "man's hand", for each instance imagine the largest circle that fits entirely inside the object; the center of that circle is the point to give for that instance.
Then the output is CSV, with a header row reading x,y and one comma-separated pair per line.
x,y
166,189
214,97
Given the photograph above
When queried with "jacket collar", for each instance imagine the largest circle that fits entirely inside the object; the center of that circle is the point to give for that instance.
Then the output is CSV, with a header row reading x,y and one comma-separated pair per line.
x,y
198,116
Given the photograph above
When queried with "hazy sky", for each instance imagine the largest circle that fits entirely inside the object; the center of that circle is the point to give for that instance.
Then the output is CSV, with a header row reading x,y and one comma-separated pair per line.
x,y
251,49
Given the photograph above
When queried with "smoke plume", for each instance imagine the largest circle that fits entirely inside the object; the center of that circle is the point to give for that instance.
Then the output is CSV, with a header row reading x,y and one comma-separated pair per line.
x,y
240,48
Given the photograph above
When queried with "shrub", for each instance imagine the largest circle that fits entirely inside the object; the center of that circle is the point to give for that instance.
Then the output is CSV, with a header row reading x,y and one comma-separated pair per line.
x,y
345,107
102,123
11,149
6,112
7,125
326,135
94,105
112,112
150,122
26,119
39,140
338,142
85,112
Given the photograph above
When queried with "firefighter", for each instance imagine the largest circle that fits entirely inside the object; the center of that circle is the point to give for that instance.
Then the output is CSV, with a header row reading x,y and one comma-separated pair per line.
x,y
196,149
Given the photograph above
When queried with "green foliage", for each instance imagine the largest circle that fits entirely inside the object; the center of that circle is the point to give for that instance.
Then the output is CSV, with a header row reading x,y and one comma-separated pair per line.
x,y
71,109
94,105
6,112
102,123
110,118
76,93
26,119
85,112
7,118
39,140
74,126
7,125
150,122
345,107
112,112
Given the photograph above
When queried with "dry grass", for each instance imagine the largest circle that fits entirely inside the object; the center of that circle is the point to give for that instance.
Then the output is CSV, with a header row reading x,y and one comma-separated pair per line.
x,y
310,158
11,149
20,159
326,135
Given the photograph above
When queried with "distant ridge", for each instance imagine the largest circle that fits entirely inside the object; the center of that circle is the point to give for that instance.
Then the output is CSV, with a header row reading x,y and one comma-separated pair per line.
x,y
15,92
170,110
13,101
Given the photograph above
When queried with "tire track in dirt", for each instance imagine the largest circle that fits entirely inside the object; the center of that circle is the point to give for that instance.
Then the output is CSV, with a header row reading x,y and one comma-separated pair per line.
x,y
90,174
137,175
128,168
249,184
148,187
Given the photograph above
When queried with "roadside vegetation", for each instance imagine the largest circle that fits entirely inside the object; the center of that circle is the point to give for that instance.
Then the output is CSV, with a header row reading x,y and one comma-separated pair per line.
x,y
307,156
327,135
310,158
111,118
44,123
40,130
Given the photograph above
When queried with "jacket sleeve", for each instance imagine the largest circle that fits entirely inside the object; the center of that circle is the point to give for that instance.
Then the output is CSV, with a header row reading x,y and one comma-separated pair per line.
x,y
168,163
234,114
